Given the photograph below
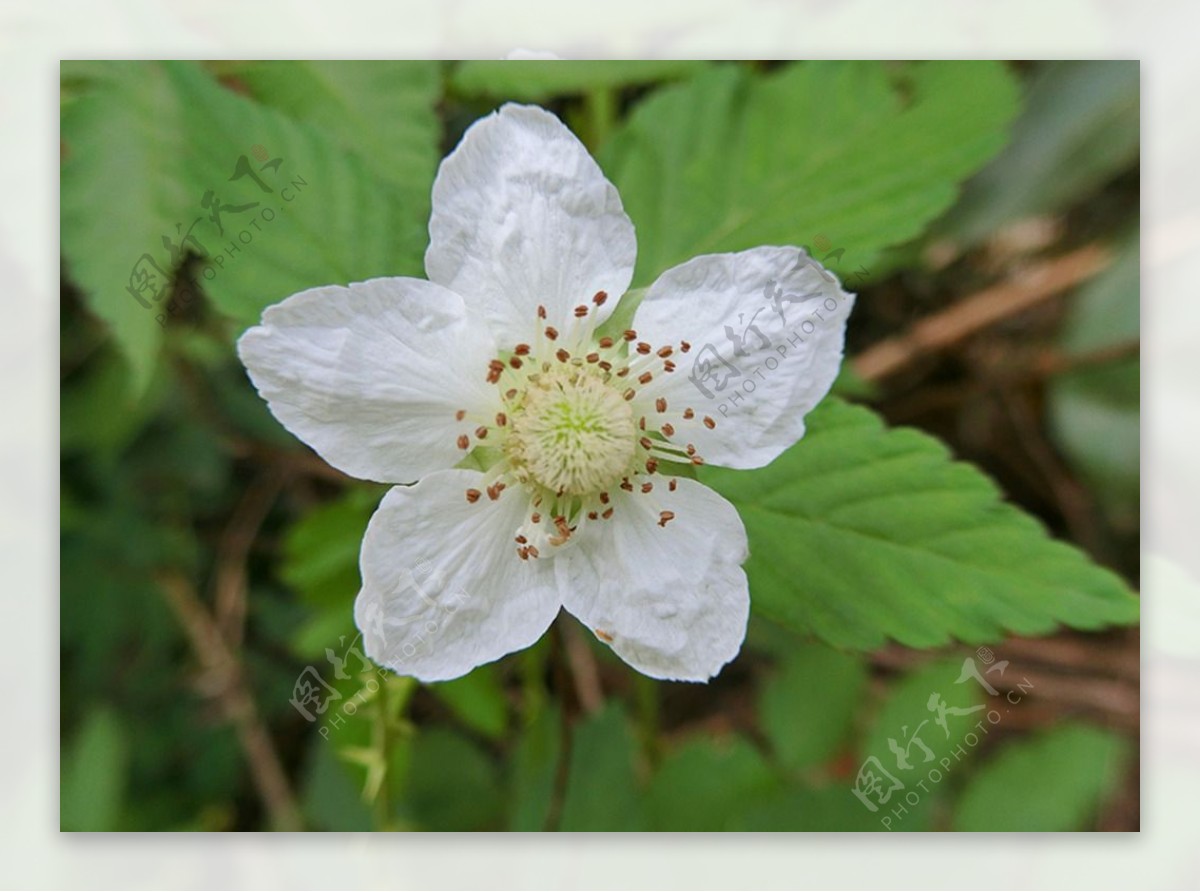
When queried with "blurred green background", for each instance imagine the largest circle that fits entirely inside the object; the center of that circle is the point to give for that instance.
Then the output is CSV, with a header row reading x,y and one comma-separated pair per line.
x,y
209,560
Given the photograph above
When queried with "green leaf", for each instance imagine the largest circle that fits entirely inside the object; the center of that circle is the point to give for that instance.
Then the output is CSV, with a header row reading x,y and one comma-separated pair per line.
x,y
334,222
829,808
808,706
1079,128
602,790
821,150
94,774
706,784
320,552
452,784
535,764
535,80
122,191
383,112
1055,780
1095,412
908,721
330,797
860,533
477,699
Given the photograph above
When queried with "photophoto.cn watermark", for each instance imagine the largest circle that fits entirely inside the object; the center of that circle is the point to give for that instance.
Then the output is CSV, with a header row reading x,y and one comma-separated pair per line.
x,y
321,703
891,790
729,374
228,227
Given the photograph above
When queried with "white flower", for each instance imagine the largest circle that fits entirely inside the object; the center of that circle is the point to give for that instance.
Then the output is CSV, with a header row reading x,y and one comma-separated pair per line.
x,y
497,356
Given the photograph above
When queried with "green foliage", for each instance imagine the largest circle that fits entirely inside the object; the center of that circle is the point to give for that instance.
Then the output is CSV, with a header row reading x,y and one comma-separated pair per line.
x,y
477,700
452,784
706,784
727,161
602,783
535,763
94,773
863,533
1079,127
1095,411
150,140
1054,780
807,708
536,80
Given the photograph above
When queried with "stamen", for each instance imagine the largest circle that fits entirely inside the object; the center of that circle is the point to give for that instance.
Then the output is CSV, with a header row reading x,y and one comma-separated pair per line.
x,y
668,430
464,442
551,332
581,311
460,414
673,485
481,432
630,335
521,350
684,346
605,343
660,405
665,517
647,486
599,298
473,495
709,423
501,419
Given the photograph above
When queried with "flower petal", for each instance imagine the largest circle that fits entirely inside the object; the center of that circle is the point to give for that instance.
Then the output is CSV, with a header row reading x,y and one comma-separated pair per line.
x,y
671,600
783,311
443,588
371,376
522,217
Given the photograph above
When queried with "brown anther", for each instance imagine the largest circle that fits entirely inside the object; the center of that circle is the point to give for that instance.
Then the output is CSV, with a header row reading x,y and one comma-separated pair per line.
x,y
643,348
515,362
645,378
629,334
523,553
493,493
605,343
541,312
511,393
668,430
684,346
496,365
521,350
473,495
626,485
630,394
660,405
581,311
561,523
592,515
603,498
697,460
493,376
646,487
665,517
599,298
607,514
603,636
607,366
709,423
668,366
521,540
622,372
501,419
689,414
651,465
533,552
593,357
464,442
673,485
562,355
664,352
558,540
642,423
535,517
460,414
551,332
647,443
481,432
691,450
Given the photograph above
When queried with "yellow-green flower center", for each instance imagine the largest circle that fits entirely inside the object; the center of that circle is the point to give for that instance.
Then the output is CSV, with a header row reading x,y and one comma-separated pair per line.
x,y
573,434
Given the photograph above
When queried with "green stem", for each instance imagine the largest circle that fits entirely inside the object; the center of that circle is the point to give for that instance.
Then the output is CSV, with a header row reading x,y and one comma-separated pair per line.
x,y
601,108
